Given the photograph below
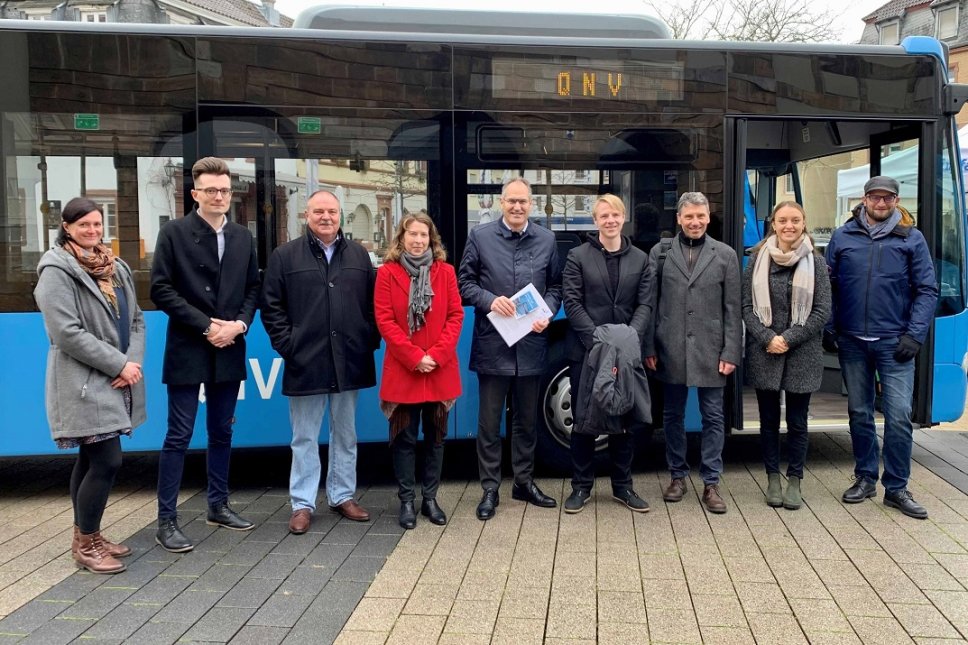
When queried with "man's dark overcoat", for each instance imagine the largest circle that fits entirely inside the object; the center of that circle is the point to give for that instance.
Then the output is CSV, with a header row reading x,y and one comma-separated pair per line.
x,y
190,285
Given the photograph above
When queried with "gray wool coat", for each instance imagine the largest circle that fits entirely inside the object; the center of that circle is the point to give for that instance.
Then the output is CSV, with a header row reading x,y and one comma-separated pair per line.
x,y
800,369
697,320
84,357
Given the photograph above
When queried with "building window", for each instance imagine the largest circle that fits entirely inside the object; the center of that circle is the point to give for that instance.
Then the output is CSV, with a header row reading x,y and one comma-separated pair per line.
x,y
890,33
579,203
38,16
789,184
94,16
947,26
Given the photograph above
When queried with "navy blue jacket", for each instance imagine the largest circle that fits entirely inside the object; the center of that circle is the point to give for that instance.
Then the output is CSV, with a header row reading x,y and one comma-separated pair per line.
x,y
881,288
495,263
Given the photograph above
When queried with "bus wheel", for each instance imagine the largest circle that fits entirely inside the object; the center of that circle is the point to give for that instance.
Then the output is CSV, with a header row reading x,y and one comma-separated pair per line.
x,y
556,420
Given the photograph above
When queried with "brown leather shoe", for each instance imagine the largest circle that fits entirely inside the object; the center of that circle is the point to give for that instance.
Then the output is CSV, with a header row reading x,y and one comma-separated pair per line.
x,y
117,550
299,522
675,490
352,511
713,501
92,556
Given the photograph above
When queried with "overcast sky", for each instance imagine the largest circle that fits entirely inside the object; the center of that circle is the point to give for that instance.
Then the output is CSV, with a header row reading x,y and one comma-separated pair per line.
x,y
852,11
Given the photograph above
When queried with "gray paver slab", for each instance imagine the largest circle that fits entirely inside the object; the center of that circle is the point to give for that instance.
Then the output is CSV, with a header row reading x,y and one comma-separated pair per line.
x,y
220,624
259,635
122,621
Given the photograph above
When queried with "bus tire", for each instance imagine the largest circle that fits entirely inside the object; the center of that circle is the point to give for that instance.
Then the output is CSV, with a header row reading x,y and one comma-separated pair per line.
x,y
556,418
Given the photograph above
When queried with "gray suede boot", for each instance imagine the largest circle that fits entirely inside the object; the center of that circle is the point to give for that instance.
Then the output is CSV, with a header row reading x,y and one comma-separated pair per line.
x,y
774,492
791,497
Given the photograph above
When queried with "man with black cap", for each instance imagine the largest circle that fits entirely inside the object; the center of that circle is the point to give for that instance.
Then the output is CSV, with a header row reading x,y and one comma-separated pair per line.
x,y
884,295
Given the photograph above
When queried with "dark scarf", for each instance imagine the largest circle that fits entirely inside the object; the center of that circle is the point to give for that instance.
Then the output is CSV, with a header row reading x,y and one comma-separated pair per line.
x,y
98,262
418,268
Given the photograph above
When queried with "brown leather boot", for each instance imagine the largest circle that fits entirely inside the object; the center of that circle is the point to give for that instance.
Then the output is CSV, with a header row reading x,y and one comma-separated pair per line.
x,y
117,550
92,555
675,490
713,501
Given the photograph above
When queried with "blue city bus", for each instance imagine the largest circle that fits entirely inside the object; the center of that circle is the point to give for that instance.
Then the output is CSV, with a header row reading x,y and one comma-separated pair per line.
x,y
401,110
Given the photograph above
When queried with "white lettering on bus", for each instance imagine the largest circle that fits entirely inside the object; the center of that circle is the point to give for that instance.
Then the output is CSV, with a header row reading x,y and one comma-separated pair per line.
x,y
265,385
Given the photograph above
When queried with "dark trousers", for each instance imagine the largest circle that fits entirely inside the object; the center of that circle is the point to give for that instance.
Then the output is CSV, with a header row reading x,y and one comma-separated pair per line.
x,y
620,449
220,399
494,391
91,480
404,451
797,408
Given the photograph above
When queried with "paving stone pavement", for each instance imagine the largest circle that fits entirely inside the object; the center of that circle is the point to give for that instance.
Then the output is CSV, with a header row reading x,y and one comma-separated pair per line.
x,y
828,573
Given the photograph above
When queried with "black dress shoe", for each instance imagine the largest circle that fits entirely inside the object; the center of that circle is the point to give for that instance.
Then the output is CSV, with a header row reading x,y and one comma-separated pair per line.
x,y
861,490
222,515
170,537
408,515
902,501
489,501
532,494
432,511
577,500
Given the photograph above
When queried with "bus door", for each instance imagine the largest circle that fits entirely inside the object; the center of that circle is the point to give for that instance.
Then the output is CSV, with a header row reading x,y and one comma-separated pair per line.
x,y
569,160
823,165
381,165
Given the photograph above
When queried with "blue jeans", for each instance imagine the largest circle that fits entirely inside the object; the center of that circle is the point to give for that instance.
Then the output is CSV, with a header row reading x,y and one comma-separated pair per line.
x,y
220,400
713,431
860,360
306,416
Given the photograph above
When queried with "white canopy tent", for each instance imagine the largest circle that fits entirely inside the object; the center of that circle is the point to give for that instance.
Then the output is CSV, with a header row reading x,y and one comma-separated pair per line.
x,y
902,166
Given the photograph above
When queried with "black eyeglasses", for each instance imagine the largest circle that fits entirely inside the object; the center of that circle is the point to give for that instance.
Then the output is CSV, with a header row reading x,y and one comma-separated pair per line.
x,y
212,192
887,199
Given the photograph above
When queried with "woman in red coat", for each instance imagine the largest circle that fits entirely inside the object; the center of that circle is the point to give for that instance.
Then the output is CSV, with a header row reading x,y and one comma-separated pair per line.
x,y
419,314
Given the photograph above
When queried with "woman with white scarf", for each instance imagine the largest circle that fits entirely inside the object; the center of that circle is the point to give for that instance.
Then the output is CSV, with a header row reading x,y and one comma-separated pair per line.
x,y
419,314
786,302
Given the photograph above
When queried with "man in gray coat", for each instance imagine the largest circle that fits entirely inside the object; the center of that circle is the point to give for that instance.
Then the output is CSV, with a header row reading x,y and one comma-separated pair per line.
x,y
695,341
501,258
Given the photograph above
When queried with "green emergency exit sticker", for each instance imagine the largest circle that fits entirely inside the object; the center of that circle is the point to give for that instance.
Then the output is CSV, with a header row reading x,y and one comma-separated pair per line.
x,y
87,121
309,125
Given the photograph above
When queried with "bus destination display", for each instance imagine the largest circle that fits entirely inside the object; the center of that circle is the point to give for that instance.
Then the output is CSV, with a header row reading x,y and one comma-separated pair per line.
x,y
635,81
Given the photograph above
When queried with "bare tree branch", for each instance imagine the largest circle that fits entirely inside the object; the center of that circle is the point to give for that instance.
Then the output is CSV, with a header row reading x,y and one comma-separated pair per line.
x,y
749,20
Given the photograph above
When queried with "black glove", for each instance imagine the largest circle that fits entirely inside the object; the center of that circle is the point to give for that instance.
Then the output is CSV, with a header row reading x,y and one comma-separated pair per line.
x,y
829,341
907,348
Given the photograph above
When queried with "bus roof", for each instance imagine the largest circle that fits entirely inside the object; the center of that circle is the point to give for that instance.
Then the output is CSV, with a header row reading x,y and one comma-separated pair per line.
x,y
532,39
446,22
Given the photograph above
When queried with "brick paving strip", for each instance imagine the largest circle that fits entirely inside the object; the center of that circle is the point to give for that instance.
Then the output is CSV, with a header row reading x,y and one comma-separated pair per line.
x,y
826,573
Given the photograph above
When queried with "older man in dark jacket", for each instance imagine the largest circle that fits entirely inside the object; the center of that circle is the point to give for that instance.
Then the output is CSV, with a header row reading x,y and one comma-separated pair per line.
x,y
696,341
317,308
501,258
884,295
206,278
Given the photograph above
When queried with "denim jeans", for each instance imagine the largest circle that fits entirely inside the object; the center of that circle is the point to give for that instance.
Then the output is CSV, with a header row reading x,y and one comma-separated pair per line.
x,y
797,410
306,416
713,431
860,360
220,400
404,452
494,391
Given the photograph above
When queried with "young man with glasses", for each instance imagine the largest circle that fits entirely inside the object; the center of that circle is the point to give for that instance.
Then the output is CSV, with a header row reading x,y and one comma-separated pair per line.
x,y
209,311
884,295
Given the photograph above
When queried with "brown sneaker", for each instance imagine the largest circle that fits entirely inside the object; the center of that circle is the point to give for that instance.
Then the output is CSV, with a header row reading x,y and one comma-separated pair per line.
x,y
117,550
352,511
92,556
299,522
675,490
711,498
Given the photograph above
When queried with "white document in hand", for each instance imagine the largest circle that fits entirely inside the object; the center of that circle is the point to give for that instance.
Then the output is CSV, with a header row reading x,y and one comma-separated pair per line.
x,y
529,306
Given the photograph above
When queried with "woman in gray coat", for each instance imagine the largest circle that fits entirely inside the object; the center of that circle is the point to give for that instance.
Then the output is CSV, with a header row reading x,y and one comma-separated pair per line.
x,y
786,302
94,388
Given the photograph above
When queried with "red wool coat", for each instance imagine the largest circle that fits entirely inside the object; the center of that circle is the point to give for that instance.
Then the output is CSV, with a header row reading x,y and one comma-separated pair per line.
x,y
401,383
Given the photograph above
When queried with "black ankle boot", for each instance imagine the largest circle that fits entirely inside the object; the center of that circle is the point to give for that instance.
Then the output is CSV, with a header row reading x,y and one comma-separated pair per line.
x,y
408,515
436,514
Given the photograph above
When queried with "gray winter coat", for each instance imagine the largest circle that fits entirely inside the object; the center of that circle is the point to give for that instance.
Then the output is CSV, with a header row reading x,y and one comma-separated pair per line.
x,y
497,264
800,369
84,357
698,321
614,388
